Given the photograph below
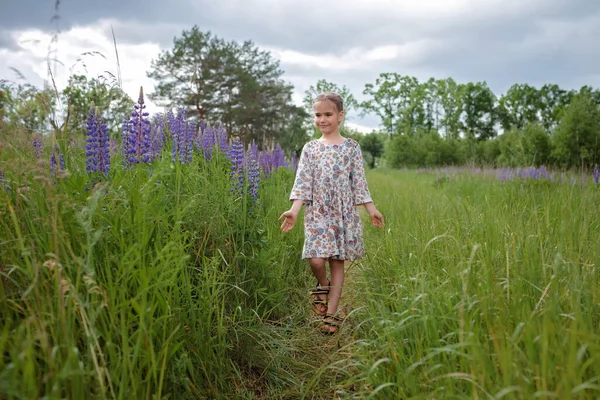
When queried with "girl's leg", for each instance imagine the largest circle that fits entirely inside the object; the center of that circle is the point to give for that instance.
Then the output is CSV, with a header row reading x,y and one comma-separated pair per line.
x,y
317,265
337,281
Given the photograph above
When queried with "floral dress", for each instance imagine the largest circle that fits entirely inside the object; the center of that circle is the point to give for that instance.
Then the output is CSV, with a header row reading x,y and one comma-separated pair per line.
x,y
331,181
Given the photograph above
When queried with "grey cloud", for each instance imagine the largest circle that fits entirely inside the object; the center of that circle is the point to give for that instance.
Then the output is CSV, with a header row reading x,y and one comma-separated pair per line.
x,y
498,42
6,41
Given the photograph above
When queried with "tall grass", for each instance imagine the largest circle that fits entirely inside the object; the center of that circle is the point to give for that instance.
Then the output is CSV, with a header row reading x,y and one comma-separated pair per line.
x,y
480,289
161,283
157,282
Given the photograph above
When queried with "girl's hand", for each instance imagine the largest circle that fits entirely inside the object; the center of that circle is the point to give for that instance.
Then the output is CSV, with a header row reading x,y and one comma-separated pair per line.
x,y
290,219
376,218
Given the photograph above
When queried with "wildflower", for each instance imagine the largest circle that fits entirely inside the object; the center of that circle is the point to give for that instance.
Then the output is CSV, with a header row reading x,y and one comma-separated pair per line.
x,y
140,128
98,143
596,174
173,127
278,157
265,160
181,136
157,136
53,161
253,177
236,155
190,138
223,139
207,141
37,147
127,147
136,134
200,135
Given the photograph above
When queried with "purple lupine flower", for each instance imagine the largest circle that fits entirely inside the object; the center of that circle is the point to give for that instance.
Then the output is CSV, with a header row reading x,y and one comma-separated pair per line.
x,y
505,174
265,159
278,157
253,178
254,150
37,147
596,174
172,125
91,147
157,135
251,154
139,133
103,144
236,155
98,143
207,141
223,139
53,165
126,146
202,125
191,138
182,134
56,154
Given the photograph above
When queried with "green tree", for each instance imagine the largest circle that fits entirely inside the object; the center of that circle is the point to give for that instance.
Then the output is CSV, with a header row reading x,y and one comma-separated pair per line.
x,y
219,81
576,141
400,152
478,110
27,106
448,93
392,98
518,106
535,144
79,94
511,150
373,144
553,100
293,134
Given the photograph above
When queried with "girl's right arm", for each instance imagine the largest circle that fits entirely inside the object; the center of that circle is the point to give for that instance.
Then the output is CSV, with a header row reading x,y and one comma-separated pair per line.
x,y
291,215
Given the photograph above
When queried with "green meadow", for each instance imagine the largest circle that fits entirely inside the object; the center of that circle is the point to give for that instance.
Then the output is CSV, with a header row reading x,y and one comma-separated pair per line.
x,y
159,282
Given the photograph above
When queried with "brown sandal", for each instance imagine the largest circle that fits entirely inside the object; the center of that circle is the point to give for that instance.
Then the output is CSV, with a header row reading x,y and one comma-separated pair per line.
x,y
317,301
331,324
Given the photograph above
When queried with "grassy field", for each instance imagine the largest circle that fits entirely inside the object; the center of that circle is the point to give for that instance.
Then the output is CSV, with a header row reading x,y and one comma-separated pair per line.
x,y
160,283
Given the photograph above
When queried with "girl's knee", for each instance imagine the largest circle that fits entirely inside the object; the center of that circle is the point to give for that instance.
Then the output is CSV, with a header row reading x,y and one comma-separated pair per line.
x,y
317,262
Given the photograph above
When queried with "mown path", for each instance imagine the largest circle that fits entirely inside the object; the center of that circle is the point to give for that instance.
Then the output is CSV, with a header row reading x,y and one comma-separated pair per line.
x,y
315,365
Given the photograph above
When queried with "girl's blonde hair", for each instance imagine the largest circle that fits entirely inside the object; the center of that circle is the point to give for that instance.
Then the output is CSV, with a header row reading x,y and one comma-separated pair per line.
x,y
335,98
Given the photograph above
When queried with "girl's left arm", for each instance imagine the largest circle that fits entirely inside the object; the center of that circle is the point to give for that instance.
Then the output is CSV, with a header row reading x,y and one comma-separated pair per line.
x,y
360,188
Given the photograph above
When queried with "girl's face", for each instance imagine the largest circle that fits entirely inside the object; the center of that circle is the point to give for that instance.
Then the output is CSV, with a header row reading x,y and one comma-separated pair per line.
x,y
327,117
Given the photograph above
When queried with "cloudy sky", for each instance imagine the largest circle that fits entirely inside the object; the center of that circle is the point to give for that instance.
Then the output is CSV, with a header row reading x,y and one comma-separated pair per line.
x,y
349,42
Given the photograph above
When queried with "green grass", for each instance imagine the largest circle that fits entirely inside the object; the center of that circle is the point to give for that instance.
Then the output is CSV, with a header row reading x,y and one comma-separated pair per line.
x,y
480,289
160,283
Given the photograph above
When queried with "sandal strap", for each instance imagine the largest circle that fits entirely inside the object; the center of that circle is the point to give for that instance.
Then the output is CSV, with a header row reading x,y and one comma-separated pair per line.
x,y
331,320
319,290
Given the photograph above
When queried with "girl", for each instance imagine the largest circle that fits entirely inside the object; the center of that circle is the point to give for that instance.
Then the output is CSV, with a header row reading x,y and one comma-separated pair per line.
x,y
330,182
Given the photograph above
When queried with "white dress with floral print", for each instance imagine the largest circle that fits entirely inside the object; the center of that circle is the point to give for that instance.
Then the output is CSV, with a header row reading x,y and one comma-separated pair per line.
x,y
331,181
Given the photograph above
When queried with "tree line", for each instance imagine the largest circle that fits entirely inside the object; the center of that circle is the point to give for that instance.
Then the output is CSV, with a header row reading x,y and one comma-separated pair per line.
x,y
435,122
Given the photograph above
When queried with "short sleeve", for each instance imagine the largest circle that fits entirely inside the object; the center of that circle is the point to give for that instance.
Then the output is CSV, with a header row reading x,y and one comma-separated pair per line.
x,y
358,180
303,184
